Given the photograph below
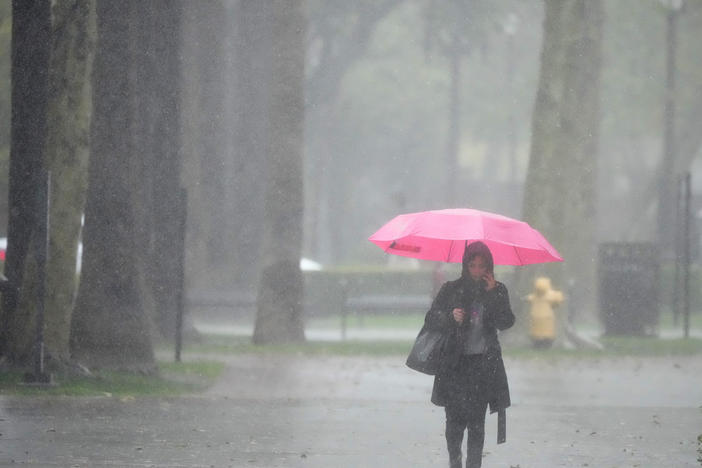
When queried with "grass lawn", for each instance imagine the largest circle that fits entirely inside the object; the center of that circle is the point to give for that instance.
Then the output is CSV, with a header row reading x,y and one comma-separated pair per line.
x,y
613,346
229,344
414,322
194,376
172,379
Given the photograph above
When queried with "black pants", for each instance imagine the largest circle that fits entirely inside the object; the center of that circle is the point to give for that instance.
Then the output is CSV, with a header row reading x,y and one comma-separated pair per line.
x,y
467,395
459,419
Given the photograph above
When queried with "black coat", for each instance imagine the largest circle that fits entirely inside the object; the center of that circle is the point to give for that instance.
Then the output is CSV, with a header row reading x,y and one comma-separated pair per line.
x,y
498,316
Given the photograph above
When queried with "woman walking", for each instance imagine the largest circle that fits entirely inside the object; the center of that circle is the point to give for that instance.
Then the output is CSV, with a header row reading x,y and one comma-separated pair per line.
x,y
470,310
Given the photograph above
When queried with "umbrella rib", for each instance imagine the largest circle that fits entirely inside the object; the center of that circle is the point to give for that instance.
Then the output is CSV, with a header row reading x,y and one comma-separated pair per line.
x,y
448,256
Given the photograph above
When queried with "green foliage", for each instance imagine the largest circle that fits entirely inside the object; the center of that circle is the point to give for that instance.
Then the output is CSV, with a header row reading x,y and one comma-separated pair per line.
x,y
388,128
173,379
390,123
205,370
633,87
633,68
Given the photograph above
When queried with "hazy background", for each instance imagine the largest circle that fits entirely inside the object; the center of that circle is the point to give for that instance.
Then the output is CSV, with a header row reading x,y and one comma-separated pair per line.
x,y
400,96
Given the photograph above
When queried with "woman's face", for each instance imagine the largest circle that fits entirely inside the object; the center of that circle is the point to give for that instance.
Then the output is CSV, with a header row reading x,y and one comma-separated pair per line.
x,y
477,268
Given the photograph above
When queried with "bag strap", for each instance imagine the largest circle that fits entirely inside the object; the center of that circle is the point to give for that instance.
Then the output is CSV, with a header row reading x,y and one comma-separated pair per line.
x,y
501,426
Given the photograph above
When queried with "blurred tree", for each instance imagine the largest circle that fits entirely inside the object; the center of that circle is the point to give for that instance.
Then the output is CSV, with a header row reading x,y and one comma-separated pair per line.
x,y
31,44
251,73
383,135
156,50
667,177
559,196
339,36
686,138
110,326
456,29
369,145
279,308
66,157
206,129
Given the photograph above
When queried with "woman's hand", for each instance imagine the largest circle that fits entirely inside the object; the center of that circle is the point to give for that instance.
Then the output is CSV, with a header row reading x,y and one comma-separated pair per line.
x,y
459,315
490,281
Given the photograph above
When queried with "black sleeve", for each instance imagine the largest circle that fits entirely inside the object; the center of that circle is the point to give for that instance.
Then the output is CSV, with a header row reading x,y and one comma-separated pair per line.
x,y
499,312
439,317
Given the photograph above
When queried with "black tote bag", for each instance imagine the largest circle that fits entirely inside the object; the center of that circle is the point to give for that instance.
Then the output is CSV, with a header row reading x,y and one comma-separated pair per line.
x,y
428,351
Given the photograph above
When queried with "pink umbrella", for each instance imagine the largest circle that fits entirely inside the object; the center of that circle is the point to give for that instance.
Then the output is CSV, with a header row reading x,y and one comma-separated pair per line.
x,y
441,235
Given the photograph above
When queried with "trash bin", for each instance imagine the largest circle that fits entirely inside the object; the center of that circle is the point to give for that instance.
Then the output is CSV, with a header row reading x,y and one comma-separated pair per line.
x,y
629,283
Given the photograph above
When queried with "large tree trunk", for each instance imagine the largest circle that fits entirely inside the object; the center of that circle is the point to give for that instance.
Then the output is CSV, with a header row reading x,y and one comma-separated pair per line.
x,y
250,99
156,46
190,100
279,315
208,165
31,42
66,156
213,126
559,196
110,326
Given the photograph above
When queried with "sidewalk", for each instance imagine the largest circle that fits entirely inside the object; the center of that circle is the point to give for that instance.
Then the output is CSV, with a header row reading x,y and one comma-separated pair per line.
x,y
302,411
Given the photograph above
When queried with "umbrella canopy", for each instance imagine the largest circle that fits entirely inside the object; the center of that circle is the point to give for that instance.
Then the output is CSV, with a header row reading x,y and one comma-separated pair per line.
x,y
441,235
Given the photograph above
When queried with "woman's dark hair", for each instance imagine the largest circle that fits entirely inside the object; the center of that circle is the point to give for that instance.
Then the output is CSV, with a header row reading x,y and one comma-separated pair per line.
x,y
477,249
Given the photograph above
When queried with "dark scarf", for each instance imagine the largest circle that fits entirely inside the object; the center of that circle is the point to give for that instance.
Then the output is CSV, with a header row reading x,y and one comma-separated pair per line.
x,y
469,291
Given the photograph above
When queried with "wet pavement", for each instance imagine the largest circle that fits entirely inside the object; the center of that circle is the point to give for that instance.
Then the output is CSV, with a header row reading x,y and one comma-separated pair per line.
x,y
302,411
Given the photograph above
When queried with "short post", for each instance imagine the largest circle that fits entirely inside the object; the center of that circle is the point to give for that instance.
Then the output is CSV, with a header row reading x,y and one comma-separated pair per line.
x,y
180,295
686,256
677,267
343,282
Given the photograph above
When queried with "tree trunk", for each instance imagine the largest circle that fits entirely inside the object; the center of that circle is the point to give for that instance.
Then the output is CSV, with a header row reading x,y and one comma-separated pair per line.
x,y
156,53
110,326
279,315
252,77
190,101
209,172
31,42
215,166
559,196
66,156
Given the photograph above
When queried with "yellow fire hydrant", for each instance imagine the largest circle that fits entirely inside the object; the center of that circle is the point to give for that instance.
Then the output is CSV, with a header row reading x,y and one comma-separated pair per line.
x,y
542,317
